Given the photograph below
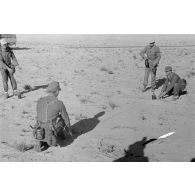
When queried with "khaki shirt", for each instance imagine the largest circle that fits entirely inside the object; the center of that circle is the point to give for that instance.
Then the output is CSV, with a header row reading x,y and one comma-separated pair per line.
x,y
153,54
7,58
170,82
49,108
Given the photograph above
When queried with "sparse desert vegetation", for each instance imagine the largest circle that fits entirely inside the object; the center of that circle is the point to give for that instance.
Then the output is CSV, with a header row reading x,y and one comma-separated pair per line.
x,y
94,80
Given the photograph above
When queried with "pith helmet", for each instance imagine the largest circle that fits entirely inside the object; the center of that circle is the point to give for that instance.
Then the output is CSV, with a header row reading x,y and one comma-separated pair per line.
x,y
168,68
53,87
152,41
3,42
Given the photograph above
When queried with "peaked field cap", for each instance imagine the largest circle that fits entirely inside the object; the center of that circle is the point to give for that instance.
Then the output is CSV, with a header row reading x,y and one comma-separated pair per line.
x,y
152,41
53,87
168,68
3,42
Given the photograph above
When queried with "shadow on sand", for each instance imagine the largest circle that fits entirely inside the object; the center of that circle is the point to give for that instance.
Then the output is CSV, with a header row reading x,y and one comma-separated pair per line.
x,y
135,152
81,127
20,48
34,88
183,93
180,94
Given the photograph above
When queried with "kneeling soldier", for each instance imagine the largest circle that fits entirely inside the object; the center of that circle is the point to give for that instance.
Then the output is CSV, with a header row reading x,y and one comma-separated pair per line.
x,y
52,118
173,84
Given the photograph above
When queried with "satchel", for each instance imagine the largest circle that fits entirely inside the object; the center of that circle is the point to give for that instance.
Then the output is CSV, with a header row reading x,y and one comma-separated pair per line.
x,y
38,132
147,63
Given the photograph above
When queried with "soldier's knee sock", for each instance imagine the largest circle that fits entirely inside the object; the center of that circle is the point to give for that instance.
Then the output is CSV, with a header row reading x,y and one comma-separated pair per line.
x,y
176,90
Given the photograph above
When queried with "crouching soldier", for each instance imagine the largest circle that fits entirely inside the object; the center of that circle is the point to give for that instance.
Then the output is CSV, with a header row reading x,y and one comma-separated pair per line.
x,y
52,119
173,85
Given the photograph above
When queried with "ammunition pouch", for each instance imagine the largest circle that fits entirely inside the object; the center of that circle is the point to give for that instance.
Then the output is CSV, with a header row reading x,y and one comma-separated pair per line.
x,y
12,67
55,128
59,127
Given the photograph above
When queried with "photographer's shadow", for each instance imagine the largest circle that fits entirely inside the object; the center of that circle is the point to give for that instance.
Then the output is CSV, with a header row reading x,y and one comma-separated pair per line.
x,y
81,127
135,152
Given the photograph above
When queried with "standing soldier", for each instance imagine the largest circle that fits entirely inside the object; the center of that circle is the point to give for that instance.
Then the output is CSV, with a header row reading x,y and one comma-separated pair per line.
x,y
8,62
173,84
151,55
52,118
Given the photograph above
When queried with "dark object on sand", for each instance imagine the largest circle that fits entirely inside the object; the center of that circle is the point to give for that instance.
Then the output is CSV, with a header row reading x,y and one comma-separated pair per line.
x,y
154,96
28,87
19,96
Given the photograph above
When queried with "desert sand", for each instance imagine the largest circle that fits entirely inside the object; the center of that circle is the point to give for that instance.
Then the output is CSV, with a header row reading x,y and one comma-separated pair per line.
x,y
101,79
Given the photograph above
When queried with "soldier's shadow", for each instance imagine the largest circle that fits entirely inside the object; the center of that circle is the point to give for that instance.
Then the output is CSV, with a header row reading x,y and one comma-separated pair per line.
x,y
34,88
135,152
81,127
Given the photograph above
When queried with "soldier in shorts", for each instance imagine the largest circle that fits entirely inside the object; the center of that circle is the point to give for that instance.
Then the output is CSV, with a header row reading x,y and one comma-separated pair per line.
x,y
151,55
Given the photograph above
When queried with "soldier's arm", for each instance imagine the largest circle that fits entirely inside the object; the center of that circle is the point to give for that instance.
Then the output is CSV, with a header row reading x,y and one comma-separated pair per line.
x,y
171,85
165,85
14,60
2,64
158,54
142,53
65,116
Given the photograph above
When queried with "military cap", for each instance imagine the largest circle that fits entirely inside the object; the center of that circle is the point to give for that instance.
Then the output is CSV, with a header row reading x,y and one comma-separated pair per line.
x,y
3,42
53,87
152,41
168,68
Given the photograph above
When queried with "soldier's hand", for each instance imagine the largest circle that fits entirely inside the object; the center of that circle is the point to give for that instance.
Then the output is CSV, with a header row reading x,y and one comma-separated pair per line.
x,y
154,64
161,95
10,70
70,133
145,58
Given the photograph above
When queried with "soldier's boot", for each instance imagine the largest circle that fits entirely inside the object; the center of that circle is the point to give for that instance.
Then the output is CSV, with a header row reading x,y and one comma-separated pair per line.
x,y
37,146
154,96
144,88
5,96
52,140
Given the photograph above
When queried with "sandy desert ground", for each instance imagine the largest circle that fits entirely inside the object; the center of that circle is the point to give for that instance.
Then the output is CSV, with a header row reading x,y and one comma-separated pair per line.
x,y
101,79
